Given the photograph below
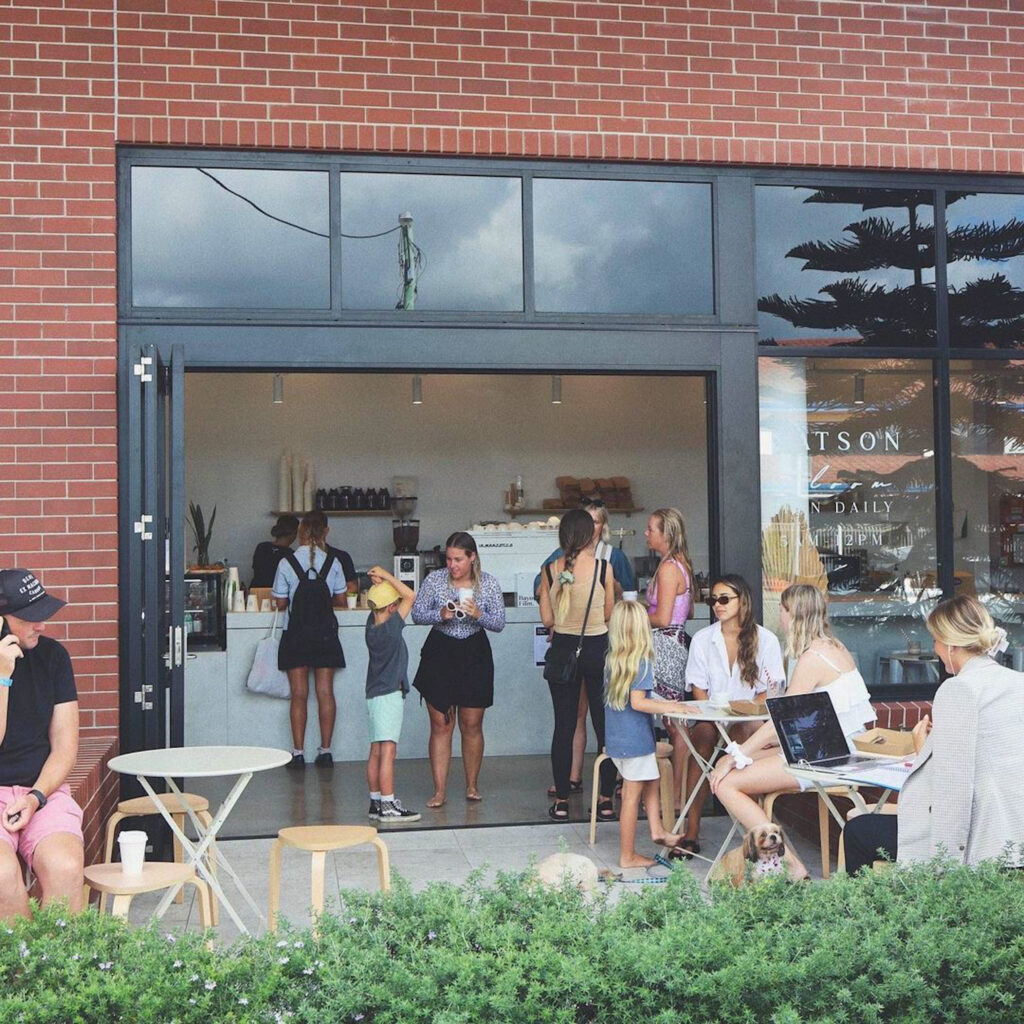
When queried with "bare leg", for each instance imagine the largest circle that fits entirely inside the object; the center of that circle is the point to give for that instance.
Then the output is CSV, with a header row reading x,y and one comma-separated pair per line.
x,y
13,894
327,707
440,747
579,739
58,861
703,736
373,768
739,790
471,729
387,766
298,680
680,760
628,857
652,804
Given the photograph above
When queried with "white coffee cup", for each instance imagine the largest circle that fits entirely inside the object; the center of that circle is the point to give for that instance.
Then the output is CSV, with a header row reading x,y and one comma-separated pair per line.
x,y
252,603
630,595
265,605
351,600
133,852
465,594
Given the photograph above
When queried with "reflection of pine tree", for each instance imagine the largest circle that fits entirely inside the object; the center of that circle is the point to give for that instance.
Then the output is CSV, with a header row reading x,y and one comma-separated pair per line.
x,y
987,313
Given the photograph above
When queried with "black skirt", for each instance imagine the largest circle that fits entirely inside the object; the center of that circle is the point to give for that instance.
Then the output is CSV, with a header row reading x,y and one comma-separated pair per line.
x,y
456,673
293,655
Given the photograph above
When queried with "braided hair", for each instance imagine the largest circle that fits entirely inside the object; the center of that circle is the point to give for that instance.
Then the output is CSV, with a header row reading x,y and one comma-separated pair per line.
x,y
575,534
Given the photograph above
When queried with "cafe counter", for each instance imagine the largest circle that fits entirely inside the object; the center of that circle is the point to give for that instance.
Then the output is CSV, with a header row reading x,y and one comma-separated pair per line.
x,y
219,709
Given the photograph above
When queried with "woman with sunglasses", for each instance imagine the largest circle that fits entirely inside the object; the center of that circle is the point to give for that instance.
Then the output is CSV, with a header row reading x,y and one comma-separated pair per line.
x,y
732,659
756,766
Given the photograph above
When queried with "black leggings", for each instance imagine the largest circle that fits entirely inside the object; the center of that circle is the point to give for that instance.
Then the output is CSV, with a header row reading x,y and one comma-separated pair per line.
x,y
565,698
864,835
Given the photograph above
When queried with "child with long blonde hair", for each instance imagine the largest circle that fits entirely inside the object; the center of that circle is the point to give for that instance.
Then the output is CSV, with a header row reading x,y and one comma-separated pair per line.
x,y
629,728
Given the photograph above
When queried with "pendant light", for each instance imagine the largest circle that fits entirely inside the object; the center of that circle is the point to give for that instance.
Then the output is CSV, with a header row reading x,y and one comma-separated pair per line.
x,y
556,390
858,389
417,390
278,389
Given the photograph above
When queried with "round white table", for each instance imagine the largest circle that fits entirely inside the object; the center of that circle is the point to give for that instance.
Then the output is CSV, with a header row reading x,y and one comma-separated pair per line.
x,y
172,763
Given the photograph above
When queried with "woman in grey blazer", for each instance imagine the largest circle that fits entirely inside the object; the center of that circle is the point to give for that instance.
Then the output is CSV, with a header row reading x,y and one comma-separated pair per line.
x,y
962,799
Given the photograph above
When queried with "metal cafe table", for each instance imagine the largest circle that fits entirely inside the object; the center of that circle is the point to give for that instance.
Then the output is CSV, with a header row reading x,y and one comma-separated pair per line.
x,y
722,718
172,763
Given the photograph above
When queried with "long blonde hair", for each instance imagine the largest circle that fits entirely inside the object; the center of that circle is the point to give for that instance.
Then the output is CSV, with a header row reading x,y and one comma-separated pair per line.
x,y
808,618
964,622
673,528
630,644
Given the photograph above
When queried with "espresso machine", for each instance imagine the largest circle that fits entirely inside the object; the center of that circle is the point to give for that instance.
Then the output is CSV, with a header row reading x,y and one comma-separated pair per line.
x,y
405,532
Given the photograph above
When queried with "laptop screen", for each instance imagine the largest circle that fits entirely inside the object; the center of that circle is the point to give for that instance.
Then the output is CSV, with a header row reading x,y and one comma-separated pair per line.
x,y
807,727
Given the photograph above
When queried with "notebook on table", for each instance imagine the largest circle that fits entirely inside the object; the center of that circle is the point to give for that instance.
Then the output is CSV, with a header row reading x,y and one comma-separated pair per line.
x,y
811,737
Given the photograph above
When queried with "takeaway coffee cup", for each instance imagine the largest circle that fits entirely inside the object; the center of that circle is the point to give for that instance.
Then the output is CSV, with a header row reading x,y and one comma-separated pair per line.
x,y
351,600
133,852
465,594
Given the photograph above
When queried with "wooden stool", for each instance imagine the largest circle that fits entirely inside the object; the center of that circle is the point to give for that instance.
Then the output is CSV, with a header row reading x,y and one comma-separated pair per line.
x,y
319,840
823,819
664,755
142,806
110,879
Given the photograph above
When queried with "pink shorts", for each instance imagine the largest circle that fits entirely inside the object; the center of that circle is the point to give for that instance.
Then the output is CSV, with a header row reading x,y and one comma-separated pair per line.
x,y
61,814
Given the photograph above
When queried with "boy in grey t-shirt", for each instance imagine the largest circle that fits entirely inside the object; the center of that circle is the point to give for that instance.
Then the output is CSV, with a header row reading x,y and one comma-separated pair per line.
x,y
387,683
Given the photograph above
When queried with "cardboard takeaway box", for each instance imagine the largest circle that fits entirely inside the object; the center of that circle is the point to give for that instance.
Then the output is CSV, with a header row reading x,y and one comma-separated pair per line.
x,y
890,742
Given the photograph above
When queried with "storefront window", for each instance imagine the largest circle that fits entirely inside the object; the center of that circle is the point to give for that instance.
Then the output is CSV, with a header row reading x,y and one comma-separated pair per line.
x,y
985,269
987,407
623,246
460,248
214,237
848,501
845,266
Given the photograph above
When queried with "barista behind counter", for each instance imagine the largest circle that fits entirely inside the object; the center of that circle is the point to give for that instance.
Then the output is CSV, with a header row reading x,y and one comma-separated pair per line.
x,y
268,554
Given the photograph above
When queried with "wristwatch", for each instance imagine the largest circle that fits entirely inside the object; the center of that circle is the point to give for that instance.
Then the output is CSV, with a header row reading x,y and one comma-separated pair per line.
x,y
39,796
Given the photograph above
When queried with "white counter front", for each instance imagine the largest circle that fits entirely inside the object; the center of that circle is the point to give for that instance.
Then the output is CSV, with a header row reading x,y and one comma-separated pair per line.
x,y
218,708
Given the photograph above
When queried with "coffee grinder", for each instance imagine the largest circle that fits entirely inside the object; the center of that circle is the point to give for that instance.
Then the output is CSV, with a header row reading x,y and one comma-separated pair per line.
x,y
406,532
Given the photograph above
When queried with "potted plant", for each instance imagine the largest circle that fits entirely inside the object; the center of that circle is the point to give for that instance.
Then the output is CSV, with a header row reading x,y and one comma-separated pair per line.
x,y
201,533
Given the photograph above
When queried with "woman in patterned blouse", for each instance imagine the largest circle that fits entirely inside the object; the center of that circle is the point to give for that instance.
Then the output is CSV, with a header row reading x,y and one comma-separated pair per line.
x,y
456,671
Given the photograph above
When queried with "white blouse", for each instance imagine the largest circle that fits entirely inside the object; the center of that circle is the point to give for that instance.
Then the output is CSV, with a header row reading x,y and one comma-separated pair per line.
x,y
707,666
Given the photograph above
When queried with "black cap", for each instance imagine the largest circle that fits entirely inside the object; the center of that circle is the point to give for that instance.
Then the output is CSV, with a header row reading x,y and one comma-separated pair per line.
x,y
22,595
286,526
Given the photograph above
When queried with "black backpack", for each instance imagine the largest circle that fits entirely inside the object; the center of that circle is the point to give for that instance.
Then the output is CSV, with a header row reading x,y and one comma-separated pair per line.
x,y
311,620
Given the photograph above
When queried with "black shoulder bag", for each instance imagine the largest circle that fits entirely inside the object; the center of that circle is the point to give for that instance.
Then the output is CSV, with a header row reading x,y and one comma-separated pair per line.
x,y
556,670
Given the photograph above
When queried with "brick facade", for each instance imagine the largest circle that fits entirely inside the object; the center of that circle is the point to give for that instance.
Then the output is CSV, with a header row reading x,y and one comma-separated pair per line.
x,y
936,85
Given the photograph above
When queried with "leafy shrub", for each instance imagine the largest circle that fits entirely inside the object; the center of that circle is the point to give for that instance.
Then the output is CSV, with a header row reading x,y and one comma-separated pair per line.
x,y
911,945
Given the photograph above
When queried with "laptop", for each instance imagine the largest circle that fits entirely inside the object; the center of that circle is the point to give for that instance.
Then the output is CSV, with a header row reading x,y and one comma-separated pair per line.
x,y
811,737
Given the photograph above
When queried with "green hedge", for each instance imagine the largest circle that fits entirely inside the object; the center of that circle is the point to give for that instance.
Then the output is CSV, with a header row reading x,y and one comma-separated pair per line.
x,y
905,946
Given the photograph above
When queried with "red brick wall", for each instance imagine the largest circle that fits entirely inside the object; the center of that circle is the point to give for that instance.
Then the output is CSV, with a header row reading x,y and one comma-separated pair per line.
x,y
841,83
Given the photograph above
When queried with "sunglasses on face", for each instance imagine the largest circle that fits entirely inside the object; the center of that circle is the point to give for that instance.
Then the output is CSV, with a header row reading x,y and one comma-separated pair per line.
x,y
722,599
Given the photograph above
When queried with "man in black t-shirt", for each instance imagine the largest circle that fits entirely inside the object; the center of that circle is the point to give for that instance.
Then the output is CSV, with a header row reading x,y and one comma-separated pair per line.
x,y
40,823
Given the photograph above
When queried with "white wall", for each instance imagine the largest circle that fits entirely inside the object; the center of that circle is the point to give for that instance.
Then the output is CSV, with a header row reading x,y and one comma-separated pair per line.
x,y
466,442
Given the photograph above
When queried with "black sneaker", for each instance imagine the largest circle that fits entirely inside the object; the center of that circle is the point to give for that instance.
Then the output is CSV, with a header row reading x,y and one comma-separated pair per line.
x,y
297,761
324,760
393,811
374,812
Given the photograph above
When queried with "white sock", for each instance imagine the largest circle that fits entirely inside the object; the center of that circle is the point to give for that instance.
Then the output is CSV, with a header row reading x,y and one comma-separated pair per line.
x,y
323,750
296,750
389,797
374,796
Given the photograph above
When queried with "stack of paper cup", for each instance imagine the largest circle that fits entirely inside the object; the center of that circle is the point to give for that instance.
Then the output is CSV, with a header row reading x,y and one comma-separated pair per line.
x,y
239,602
252,603
133,852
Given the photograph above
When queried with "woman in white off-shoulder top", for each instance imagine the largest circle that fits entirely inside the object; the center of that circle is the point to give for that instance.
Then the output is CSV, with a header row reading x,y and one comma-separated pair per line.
x,y
756,766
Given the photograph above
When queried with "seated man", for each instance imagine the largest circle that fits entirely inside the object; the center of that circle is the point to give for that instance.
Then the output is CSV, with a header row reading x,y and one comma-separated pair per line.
x,y
39,820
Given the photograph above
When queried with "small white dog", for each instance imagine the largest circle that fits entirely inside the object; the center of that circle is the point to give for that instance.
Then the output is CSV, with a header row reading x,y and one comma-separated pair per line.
x,y
578,870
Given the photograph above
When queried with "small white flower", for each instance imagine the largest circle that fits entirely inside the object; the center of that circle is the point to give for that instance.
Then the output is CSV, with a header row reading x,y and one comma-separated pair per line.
x,y
61,923
177,963
192,1001
77,956
210,986
106,965
307,970
23,948
242,1001
284,960
195,977
282,944
170,938
298,945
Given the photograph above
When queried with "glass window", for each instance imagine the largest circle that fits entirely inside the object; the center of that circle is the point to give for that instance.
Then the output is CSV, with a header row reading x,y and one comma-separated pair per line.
x,y
848,502
845,266
622,246
212,237
987,412
985,269
462,247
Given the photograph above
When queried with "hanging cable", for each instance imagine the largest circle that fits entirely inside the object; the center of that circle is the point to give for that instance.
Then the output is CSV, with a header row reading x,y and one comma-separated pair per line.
x,y
257,208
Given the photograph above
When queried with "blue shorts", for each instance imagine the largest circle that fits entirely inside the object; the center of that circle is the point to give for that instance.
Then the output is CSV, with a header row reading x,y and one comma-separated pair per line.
x,y
386,717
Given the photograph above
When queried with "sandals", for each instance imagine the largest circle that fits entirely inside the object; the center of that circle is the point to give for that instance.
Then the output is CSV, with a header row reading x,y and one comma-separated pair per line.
x,y
559,810
574,787
684,850
606,810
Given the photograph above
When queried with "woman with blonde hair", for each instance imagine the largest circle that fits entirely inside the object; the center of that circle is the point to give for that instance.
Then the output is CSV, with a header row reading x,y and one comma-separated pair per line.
x,y
670,605
962,797
755,767
629,728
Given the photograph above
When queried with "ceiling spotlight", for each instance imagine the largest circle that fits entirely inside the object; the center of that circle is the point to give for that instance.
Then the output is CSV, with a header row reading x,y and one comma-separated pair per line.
x,y
417,390
278,389
556,390
858,389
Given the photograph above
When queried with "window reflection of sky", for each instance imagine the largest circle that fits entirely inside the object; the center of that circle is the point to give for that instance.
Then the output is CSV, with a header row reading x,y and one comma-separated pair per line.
x,y
623,246
784,220
469,229
194,244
